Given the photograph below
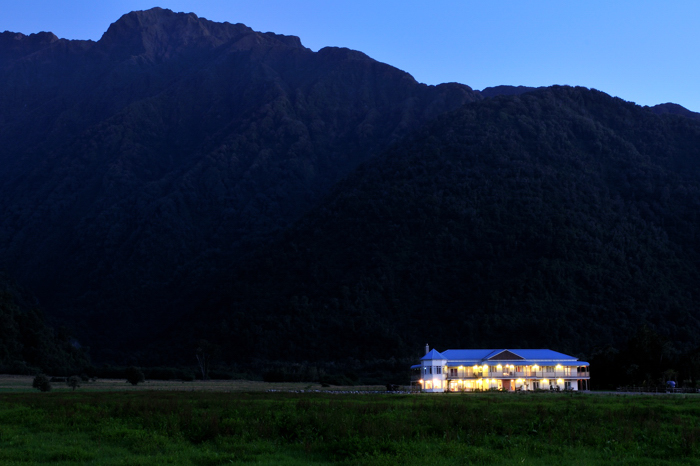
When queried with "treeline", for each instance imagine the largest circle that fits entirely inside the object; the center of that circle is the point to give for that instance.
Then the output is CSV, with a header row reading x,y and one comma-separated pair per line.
x,y
27,344
646,359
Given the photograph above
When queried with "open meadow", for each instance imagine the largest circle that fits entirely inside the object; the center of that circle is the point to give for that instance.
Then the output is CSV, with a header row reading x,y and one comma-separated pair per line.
x,y
209,423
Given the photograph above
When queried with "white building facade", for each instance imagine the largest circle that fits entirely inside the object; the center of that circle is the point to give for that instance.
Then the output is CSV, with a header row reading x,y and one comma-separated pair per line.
x,y
499,369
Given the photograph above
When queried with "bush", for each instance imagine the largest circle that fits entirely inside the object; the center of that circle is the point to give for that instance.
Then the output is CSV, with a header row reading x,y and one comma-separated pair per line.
x,y
134,375
42,383
73,382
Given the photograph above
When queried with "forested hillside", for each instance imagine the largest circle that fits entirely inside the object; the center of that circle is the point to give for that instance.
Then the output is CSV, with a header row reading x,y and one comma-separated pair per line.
x,y
561,218
181,180
27,344
135,165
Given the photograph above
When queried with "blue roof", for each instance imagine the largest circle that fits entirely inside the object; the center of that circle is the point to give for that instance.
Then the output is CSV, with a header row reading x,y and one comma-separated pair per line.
x,y
544,354
433,355
472,356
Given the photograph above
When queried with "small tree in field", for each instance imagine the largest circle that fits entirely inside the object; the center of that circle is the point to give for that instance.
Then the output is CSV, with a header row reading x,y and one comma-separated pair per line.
x,y
134,375
73,382
205,353
42,383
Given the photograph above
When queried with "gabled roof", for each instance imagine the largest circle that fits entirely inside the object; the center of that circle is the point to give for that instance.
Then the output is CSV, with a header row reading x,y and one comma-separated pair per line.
x,y
502,356
433,355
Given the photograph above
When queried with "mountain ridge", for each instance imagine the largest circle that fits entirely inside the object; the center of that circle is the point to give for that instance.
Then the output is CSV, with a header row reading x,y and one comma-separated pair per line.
x,y
138,157
325,205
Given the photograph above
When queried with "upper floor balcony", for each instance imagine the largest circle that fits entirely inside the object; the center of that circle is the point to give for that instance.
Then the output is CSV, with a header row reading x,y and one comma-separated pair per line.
x,y
518,372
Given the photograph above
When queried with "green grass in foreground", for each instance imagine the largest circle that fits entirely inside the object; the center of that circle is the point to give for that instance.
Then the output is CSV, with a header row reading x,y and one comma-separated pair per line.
x,y
159,427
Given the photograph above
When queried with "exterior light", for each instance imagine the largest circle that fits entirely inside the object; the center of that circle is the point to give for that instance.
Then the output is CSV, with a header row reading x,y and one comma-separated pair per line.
x,y
558,366
560,381
420,381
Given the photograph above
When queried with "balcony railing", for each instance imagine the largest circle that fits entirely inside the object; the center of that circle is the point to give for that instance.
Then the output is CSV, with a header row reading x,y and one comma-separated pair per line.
x,y
520,375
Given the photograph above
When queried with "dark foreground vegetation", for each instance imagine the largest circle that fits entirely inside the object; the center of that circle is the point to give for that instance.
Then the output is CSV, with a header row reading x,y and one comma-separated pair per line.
x,y
221,428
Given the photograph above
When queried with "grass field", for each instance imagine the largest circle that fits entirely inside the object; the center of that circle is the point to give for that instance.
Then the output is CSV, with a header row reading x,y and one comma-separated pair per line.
x,y
121,426
23,383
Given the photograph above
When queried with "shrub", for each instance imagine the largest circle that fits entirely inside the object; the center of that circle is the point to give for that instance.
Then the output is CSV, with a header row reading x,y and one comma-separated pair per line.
x,y
73,382
41,382
134,375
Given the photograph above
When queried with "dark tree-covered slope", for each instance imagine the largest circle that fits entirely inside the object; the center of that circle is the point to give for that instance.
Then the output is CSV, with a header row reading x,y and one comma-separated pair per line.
x,y
674,109
560,218
27,344
131,165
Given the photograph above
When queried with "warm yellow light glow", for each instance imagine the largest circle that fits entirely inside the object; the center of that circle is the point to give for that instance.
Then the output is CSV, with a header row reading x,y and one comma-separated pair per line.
x,y
420,381
560,381
499,367
559,366
476,368
535,367
519,381
545,380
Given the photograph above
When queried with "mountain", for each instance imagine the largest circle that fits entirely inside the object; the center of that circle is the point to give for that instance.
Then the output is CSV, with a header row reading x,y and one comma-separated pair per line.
x,y
182,179
560,218
137,165
674,109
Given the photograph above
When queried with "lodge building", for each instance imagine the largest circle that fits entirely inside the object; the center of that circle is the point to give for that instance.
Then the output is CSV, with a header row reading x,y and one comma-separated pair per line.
x,y
502,369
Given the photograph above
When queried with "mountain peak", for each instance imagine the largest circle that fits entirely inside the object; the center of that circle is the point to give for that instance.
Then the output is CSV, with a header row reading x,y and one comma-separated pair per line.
x,y
160,34
674,109
15,44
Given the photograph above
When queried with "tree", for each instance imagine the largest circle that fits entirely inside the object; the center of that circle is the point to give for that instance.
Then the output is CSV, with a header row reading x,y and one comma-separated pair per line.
x,y
42,383
205,353
73,382
134,375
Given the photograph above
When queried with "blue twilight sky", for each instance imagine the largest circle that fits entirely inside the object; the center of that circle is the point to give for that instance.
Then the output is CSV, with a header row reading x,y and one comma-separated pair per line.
x,y
644,51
